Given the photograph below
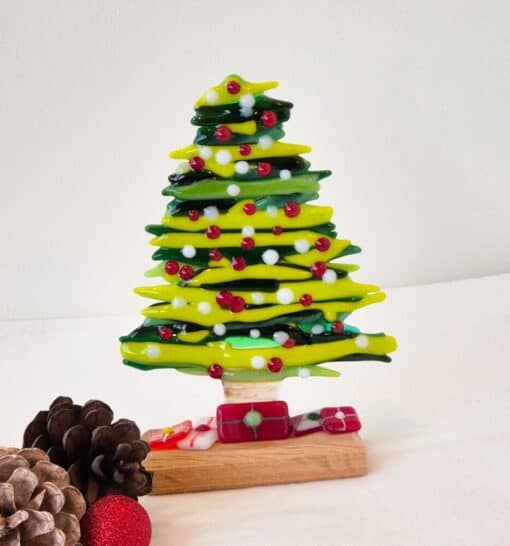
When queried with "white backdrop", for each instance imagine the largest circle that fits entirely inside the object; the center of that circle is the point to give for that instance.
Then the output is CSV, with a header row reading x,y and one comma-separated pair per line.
x,y
406,101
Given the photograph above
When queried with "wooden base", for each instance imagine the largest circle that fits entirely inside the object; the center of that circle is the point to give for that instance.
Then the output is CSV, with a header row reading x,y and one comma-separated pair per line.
x,y
317,456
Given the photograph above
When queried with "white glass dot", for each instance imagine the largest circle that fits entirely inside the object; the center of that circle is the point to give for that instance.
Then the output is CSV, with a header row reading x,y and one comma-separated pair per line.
x,y
178,302
254,333
219,329
257,298
265,142
270,256
285,174
329,276
304,373
317,329
242,167
211,213
361,341
302,246
204,307
233,190
189,251
339,415
205,152
247,100
280,337
152,351
211,96
246,111
248,231
285,296
223,157
258,362
272,211
182,168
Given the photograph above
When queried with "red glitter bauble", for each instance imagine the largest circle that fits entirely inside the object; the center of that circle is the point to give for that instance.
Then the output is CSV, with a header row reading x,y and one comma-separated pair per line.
x,y
233,87
215,371
292,209
172,267
223,298
250,209
193,215
238,263
277,230
337,327
222,133
268,119
237,304
165,332
248,243
318,269
213,232
322,244
215,255
186,272
306,300
264,168
196,163
116,521
275,364
245,149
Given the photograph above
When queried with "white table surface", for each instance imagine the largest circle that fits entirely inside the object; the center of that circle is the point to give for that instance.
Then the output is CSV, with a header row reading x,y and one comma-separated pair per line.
x,y
435,424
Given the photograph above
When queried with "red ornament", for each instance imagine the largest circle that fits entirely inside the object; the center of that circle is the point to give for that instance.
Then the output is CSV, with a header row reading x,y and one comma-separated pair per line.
x,y
322,244
337,327
269,119
275,364
213,232
277,230
248,243
215,255
250,209
306,300
193,215
215,371
223,298
196,163
233,87
318,269
245,149
222,133
238,263
292,209
237,304
172,267
264,168
116,521
186,272
289,343
165,332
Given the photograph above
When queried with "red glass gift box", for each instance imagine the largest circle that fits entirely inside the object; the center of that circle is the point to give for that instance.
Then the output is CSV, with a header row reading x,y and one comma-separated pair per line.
x,y
340,419
252,421
168,437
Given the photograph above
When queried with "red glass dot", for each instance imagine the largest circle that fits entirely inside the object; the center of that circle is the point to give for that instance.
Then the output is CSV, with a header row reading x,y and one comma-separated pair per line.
x,y
292,209
337,327
250,209
233,87
277,230
318,269
213,232
215,255
248,243
172,267
275,364
237,304
193,215
196,163
222,133
268,118
165,332
245,149
223,298
322,244
215,371
186,272
238,263
289,343
306,300
264,168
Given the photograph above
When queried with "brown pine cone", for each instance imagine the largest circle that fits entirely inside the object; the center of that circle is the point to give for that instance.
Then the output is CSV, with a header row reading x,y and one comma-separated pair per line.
x,y
103,458
38,506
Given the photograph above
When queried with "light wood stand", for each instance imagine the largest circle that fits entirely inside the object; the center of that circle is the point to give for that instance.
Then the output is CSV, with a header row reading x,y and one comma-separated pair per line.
x,y
316,456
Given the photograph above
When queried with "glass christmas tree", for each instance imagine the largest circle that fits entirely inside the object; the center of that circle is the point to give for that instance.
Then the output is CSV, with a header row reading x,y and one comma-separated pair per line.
x,y
253,290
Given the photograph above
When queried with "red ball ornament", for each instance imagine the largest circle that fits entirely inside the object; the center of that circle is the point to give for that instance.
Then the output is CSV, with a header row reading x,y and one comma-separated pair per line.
x,y
245,149
277,230
250,209
275,364
233,87
337,327
196,163
268,119
248,243
237,304
318,269
193,215
223,298
172,267
264,168
215,255
238,263
186,272
116,521
289,343
215,371
165,332
213,232
222,133
306,300
322,244
292,209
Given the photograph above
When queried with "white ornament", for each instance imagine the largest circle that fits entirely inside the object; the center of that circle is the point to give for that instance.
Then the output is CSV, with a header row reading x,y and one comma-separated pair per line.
x,y
304,373
254,333
270,256
211,96
205,152
223,157
182,168
233,190
329,276
317,329
285,296
204,307
242,167
247,101
258,362
219,329
361,341
211,213
246,111
302,246
257,298
248,231
285,174
152,351
272,211
265,142
280,337
189,251
178,302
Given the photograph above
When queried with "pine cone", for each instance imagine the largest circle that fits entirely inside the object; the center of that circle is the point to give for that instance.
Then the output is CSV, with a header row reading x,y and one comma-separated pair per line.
x,y
103,458
38,507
